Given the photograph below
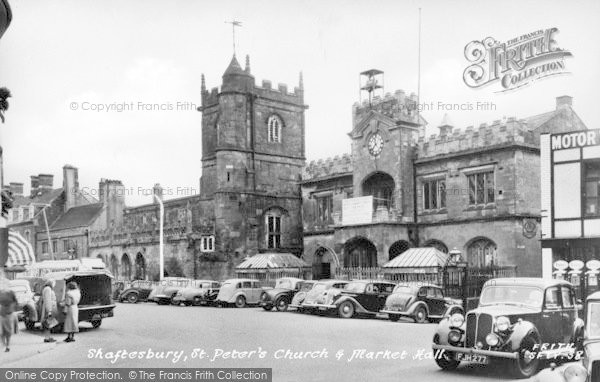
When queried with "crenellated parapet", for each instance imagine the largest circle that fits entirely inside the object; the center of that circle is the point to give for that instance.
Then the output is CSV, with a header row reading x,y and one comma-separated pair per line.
x,y
322,168
398,106
497,133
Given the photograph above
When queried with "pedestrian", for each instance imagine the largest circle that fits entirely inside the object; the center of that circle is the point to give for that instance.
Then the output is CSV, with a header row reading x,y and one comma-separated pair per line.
x,y
49,310
72,298
8,318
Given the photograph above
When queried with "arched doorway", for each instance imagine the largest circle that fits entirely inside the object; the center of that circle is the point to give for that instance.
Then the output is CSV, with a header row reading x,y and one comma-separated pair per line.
x,y
481,252
140,267
397,248
324,263
360,252
114,265
440,246
381,186
126,267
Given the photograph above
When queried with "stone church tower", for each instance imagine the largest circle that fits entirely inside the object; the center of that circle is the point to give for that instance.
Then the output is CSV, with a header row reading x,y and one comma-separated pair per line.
x,y
252,158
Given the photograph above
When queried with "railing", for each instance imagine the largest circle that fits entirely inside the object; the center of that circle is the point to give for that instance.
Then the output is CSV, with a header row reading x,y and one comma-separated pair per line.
x,y
267,279
359,273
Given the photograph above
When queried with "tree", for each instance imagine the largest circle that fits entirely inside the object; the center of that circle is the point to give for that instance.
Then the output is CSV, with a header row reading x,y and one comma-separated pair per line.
x,y
4,95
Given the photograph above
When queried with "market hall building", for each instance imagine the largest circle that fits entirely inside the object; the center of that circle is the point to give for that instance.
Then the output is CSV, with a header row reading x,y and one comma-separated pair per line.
x,y
570,198
474,190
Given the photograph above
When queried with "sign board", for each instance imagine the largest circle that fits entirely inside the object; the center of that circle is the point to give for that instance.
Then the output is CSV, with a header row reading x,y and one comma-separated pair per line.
x,y
576,265
593,265
561,265
575,139
357,210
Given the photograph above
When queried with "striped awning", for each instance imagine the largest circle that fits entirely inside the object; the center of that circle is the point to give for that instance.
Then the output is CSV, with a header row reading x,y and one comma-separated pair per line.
x,y
20,251
272,260
419,258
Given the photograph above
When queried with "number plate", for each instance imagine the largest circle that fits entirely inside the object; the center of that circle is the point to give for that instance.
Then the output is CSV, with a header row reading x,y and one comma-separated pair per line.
x,y
473,358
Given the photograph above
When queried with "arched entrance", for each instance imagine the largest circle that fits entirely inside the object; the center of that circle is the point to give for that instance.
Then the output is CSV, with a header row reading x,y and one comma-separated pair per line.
x,y
481,252
126,267
140,267
381,186
324,263
397,248
360,252
440,246
114,265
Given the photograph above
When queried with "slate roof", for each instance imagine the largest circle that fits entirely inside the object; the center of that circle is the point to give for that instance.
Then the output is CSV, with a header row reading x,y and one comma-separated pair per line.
x,y
45,198
80,216
419,258
272,260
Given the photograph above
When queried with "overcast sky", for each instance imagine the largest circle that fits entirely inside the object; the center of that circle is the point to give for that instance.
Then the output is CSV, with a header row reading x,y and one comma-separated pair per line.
x,y
59,53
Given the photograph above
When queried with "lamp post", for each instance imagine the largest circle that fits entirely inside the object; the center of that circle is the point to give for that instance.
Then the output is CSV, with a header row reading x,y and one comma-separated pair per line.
x,y
161,257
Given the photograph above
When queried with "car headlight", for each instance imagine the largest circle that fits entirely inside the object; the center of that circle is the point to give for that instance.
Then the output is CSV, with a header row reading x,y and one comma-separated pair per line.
x,y
575,373
502,323
492,339
457,320
454,337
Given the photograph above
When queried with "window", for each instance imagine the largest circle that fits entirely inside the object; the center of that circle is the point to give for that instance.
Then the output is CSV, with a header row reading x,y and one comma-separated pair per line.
x,y
567,297
552,301
55,246
274,129
482,253
44,247
247,284
324,207
481,188
592,189
434,194
65,245
207,244
273,231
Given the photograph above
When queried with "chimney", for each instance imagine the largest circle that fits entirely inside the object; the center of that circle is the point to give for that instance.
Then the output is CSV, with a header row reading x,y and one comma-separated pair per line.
x,y
70,186
158,191
16,188
35,184
564,100
46,182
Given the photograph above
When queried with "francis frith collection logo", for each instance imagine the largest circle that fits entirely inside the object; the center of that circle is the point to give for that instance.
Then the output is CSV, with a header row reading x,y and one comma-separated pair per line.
x,y
515,63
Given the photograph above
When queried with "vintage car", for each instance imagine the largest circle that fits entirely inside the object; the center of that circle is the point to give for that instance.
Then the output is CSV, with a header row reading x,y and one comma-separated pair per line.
x,y
199,292
421,301
365,297
167,289
305,287
281,296
24,294
318,292
239,292
591,337
96,301
138,290
520,321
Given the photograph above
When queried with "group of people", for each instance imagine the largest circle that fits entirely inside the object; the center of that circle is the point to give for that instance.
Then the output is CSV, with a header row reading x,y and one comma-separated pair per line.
x,y
49,311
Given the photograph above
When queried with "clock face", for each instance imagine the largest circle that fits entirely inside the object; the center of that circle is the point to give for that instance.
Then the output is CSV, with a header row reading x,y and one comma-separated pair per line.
x,y
375,144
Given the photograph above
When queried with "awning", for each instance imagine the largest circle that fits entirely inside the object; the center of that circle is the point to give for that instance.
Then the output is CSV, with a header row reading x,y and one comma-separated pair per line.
x,y
20,251
427,257
272,260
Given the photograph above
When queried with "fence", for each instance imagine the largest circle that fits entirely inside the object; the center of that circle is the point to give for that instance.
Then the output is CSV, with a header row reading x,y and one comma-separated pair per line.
x,y
268,278
359,273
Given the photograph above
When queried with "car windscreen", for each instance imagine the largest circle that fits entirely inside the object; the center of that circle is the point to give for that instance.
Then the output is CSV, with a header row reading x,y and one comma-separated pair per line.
x,y
306,287
355,287
512,295
593,320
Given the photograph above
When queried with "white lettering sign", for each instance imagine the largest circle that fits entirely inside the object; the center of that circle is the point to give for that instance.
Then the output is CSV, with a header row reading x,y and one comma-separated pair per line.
x,y
575,139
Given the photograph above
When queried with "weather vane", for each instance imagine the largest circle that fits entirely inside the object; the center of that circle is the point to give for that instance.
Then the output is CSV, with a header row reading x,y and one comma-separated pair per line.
x,y
234,23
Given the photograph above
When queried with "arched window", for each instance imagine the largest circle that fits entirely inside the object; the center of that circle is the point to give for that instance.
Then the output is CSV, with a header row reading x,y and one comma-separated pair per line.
x,y
381,186
274,129
140,267
126,267
437,245
482,253
360,252
114,265
397,248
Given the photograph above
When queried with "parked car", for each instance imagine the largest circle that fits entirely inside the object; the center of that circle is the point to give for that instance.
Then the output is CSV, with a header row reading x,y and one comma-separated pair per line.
x,y
138,290
24,295
167,289
96,301
366,297
519,320
318,291
591,337
281,296
239,292
421,301
200,292
305,287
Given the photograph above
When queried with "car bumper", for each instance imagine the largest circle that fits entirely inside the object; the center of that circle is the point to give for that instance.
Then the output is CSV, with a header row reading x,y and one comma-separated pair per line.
x,y
90,313
489,353
396,312
179,299
319,306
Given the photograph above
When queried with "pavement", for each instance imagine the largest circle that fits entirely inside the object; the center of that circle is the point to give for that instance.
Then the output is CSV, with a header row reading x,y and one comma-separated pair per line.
x,y
26,344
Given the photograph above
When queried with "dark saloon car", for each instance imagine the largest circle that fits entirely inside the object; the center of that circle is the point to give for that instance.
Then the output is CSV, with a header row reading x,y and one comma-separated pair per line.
x,y
519,321
281,296
138,290
365,297
420,301
316,296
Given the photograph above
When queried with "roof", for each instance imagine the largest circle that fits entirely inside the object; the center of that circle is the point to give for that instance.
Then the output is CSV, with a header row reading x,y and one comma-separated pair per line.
x,y
79,216
44,198
419,258
70,274
272,260
527,281
234,67
593,296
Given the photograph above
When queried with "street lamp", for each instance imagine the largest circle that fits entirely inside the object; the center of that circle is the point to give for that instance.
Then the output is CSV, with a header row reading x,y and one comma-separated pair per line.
x,y
161,258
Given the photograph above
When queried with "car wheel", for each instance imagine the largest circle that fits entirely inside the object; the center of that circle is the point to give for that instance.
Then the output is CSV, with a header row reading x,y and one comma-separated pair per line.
x,y
444,359
132,298
240,302
268,307
420,315
96,323
394,317
528,363
281,304
172,301
346,309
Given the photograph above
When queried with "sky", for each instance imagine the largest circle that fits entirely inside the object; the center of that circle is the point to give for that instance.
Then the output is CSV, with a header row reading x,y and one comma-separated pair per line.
x,y
62,58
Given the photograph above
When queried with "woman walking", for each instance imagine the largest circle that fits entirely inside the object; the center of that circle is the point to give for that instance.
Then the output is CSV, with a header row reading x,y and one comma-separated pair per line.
x,y
49,310
8,317
72,298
